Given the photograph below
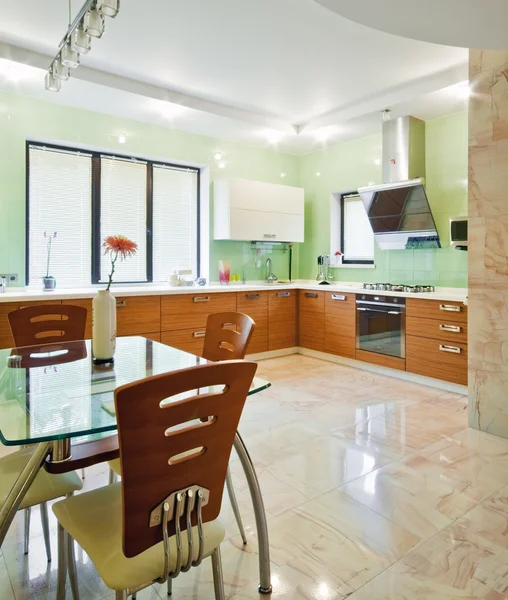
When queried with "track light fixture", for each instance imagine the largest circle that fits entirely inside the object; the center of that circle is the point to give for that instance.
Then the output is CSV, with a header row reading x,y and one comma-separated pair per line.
x,y
89,23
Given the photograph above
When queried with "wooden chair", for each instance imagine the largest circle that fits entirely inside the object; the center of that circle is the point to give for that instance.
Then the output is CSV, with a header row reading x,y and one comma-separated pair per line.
x,y
161,520
45,324
227,336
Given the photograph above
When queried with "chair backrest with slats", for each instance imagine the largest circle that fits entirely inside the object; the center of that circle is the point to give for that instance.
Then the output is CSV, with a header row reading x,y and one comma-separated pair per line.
x,y
227,336
45,324
176,430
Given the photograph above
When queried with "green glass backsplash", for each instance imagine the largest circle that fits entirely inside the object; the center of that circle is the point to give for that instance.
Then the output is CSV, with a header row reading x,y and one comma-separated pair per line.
x,y
349,166
22,118
338,169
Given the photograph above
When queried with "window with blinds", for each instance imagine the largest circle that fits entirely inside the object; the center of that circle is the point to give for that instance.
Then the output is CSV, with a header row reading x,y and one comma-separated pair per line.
x,y
87,196
123,212
60,192
357,236
175,220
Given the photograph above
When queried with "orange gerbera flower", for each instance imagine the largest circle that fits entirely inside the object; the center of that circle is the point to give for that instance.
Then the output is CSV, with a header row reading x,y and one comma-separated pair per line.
x,y
119,245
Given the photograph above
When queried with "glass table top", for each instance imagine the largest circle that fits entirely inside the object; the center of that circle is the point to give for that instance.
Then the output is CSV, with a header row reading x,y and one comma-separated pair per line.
x,y
55,391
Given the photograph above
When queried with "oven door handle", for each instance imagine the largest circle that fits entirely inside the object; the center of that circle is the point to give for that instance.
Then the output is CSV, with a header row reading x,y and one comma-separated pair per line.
x,y
384,312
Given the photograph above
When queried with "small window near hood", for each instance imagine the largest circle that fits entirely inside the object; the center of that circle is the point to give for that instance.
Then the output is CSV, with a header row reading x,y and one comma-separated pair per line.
x,y
357,239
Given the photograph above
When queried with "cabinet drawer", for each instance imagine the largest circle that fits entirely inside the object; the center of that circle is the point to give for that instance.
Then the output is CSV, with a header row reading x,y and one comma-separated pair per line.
x,y
281,319
155,337
255,304
340,324
312,330
438,329
188,340
437,358
187,311
436,309
85,303
312,301
138,314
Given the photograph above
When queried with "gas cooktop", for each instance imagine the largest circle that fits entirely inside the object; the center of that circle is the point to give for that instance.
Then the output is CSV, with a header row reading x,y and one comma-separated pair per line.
x,y
390,287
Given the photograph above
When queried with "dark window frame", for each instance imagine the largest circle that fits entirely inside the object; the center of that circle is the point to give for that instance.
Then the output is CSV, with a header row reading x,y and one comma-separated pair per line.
x,y
345,261
95,198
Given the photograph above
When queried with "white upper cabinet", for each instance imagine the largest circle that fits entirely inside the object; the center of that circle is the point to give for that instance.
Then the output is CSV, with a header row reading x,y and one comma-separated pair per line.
x,y
257,211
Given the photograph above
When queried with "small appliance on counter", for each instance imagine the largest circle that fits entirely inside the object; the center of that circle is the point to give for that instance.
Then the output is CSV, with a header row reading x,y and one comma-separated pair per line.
x,y
408,289
181,277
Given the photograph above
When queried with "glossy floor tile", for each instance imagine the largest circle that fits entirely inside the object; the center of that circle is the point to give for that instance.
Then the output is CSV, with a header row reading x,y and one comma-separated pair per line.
x,y
375,489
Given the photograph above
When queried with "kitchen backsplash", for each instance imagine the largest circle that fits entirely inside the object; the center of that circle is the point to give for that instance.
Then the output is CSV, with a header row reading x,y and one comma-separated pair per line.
x,y
346,167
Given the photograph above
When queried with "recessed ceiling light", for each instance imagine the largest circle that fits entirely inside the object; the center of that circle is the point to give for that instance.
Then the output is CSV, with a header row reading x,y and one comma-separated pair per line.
x,y
122,139
318,174
462,89
217,156
222,165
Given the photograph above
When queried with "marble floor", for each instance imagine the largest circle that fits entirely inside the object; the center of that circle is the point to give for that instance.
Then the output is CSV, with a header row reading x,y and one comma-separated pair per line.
x,y
375,489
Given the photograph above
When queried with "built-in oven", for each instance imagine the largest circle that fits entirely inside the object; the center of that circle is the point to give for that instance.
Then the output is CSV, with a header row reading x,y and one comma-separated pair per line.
x,y
381,325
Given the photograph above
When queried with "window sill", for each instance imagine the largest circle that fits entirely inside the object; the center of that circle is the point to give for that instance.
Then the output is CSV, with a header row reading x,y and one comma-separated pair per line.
x,y
352,266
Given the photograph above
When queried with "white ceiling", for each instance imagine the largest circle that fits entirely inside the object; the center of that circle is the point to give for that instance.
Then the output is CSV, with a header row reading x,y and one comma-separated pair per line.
x,y
256,72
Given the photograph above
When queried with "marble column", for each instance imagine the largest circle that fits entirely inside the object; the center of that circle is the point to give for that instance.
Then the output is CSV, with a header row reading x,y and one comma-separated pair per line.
x,y
488,241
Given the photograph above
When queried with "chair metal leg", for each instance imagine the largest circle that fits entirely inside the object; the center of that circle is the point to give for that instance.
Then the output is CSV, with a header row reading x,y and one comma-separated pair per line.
x,y
234,505
121,595
45,529
27,531
218,581
62,563
170,586
82,473
71,563
112,477
134,596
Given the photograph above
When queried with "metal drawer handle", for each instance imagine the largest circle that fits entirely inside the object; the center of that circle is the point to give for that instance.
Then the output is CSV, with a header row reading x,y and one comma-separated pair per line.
x,y
450,307
452,349
270,236
121,303
201,299
310,295
454,328
199,334
338,297
284,294
252,296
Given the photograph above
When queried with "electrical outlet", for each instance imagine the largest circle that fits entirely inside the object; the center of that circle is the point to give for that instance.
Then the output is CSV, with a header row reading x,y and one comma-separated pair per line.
x,y
11,277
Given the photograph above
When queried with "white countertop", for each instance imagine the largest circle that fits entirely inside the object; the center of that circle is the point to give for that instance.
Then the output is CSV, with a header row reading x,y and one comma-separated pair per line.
x,y
30,294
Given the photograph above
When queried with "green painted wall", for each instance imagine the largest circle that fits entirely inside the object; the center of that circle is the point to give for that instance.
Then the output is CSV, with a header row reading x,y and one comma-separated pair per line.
x,y
24,118
349,166
341,168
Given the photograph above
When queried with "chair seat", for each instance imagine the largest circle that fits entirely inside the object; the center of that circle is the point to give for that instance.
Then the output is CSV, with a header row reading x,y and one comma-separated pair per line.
x,y
94,520
115,466
45,486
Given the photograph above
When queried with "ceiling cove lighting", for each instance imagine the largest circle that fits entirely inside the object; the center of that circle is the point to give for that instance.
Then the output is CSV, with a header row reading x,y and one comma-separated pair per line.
x,y
89,23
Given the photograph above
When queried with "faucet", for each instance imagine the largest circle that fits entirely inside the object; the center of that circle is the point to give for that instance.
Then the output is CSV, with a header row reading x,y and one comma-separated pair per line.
x,y
270,277
3,285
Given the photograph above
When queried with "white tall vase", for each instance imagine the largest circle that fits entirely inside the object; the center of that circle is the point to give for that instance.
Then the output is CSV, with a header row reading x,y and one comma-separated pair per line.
x,y
104,326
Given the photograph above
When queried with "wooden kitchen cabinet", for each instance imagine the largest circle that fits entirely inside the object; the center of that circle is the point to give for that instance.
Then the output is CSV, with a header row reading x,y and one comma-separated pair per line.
x,y
188,340
255,305
311,320
137,315
340,324
436,339
282,306
190,311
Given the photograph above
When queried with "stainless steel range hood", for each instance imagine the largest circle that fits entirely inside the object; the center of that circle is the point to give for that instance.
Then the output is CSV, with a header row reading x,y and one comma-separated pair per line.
x,y
398,209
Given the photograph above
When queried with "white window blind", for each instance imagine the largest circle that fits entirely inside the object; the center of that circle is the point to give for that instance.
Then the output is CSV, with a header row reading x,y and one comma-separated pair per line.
x,y
358,236
175,221
123,212
60,190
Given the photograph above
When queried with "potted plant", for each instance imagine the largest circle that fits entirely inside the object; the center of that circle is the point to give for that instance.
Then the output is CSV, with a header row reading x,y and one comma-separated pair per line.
x,y
104,304
48,280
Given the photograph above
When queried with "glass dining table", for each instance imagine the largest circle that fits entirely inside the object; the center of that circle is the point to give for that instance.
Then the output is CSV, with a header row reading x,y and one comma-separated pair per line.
x,y
54,397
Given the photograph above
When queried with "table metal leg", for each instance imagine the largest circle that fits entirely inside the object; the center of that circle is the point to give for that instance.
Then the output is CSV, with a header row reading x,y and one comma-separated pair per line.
x,y
20,488
26,533
265,584
61,450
